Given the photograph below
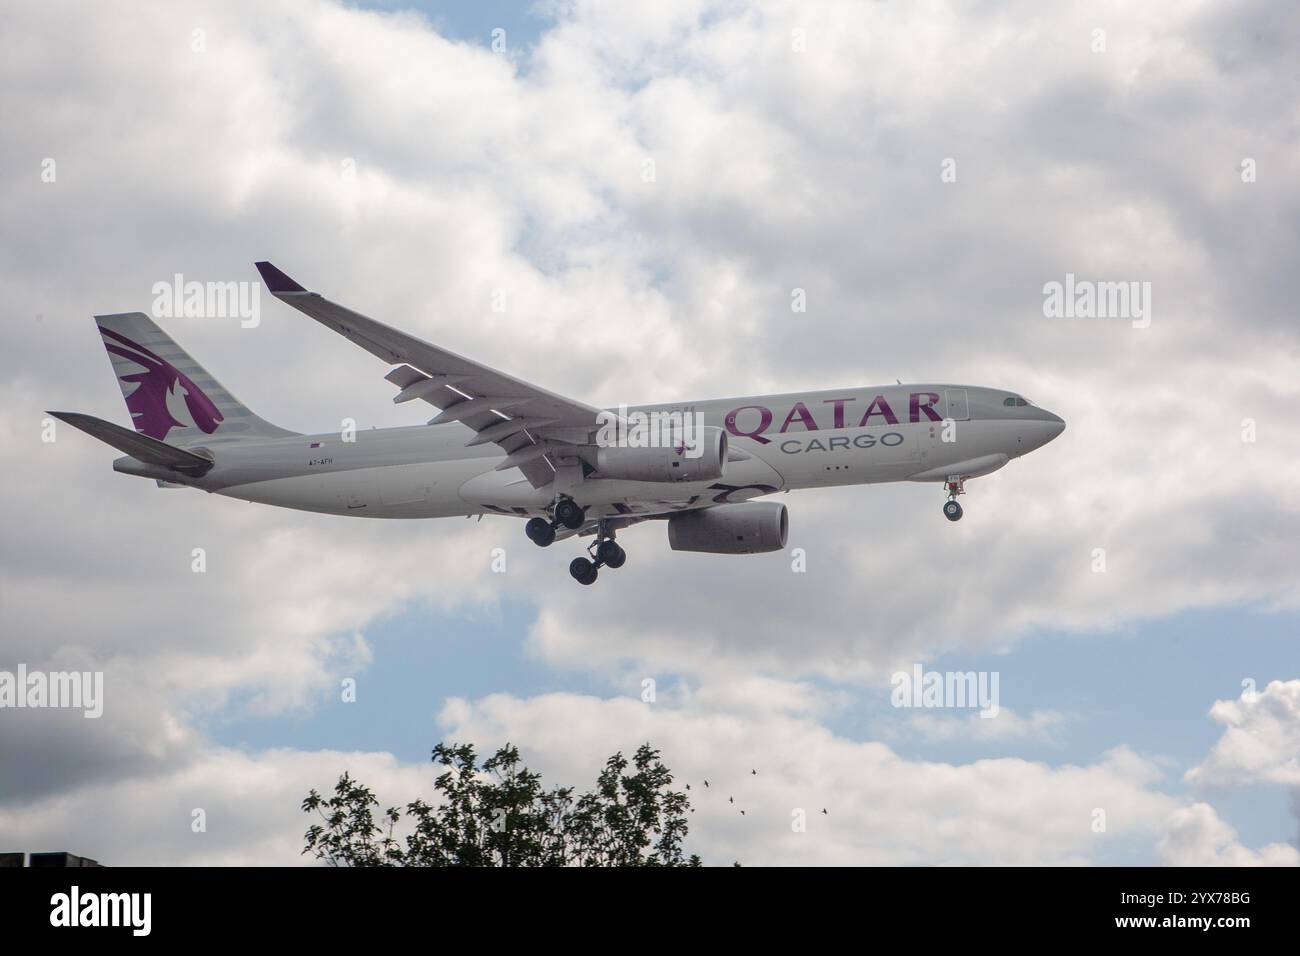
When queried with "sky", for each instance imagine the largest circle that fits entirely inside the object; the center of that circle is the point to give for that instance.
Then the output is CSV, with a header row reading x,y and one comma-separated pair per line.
x,y
645,186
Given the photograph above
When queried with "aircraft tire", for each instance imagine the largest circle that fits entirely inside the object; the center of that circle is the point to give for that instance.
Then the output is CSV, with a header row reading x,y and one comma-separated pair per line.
x,y
583,571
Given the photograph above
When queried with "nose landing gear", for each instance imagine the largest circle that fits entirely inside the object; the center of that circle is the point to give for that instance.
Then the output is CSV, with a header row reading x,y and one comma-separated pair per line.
x,y
955,485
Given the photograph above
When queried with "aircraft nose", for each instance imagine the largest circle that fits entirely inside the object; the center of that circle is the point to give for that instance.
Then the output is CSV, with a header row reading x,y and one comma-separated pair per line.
x,y
1042,428
1052,426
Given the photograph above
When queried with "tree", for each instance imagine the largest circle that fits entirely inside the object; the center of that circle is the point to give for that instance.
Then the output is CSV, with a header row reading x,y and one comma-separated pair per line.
x,y
499,814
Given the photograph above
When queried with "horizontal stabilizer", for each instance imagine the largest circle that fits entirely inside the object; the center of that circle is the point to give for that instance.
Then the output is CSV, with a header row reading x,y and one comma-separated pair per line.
x,y
140,447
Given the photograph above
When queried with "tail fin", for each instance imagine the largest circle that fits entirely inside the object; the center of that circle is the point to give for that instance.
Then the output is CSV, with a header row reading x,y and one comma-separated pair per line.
x,y
170,396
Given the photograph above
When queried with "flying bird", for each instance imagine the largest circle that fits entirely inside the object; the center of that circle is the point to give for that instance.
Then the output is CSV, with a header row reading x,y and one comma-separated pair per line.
x,y
731,799
824,812
754,773
706,783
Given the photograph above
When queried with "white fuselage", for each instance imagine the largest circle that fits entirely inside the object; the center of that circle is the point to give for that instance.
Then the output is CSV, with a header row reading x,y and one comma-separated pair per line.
x,y
804,440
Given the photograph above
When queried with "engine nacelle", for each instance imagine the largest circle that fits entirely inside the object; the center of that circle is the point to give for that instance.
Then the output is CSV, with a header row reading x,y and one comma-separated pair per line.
x,y
752,527
666,464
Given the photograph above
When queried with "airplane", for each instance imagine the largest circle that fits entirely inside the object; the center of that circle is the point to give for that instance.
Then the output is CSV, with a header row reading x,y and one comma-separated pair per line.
x,y
499,445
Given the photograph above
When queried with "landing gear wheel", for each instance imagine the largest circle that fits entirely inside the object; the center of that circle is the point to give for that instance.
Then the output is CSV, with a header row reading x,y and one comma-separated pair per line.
x,y
610,554
569,513
952,511
540,532
583,571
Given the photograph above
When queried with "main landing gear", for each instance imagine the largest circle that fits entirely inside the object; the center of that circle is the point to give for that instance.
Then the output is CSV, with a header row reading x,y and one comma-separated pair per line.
x,y
568,514
955,485
540,532
604,551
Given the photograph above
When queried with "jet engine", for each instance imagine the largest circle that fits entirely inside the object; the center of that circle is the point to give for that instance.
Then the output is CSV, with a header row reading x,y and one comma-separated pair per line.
x,y
753,527
666,464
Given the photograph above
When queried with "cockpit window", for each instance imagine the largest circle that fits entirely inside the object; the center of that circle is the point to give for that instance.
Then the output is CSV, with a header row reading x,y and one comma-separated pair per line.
x,y
1014,401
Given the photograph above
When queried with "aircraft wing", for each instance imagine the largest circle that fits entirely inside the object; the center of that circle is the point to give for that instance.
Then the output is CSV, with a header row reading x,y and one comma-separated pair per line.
x,y
500,408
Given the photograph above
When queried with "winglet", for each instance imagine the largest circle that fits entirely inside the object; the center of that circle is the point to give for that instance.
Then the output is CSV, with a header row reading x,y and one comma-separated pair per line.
x,y
277,283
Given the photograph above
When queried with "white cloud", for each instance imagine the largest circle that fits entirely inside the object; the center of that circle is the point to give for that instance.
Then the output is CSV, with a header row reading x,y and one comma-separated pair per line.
x,y
1260,742
882,808
775,169
250,807
1197,837
1041,726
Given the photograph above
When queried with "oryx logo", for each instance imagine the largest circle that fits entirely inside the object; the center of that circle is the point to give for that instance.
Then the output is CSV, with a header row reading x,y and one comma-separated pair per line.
x,y
164,397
